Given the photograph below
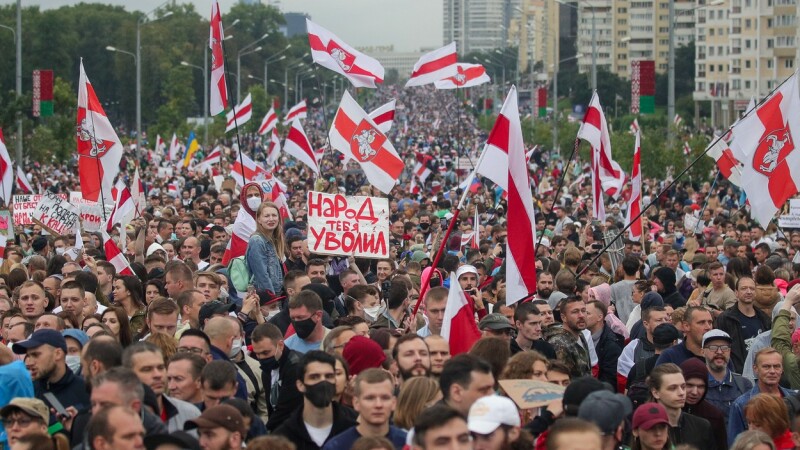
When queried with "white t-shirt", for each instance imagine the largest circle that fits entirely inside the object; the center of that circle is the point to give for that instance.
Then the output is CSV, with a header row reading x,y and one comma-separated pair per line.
x,y
318,435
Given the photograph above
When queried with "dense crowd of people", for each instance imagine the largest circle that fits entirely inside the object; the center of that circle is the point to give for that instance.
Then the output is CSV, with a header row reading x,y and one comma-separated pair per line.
x,y
686,338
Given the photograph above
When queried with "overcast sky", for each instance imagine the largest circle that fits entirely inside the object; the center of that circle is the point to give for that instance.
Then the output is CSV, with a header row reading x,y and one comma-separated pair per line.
x,y
407,24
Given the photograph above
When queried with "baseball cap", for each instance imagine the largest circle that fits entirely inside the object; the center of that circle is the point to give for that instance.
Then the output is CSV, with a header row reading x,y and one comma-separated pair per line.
x,y
730,242
489,412
154,247
649,415
224,416
494,321
665,334
180,439
578,390
466,268
39,243
605,409
208,310
30,406
78,335
716,334
39,338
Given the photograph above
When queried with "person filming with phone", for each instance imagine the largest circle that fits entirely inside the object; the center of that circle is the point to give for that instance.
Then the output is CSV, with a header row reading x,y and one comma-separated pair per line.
x,y
467,276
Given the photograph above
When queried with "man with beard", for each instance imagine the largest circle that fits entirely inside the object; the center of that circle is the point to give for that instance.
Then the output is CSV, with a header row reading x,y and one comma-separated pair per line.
x,y
544,285
220,427
743,321
528,321
467,276
45,357
297,258
724,386
465,379
439,350
568,341
319,418
412,356
374,401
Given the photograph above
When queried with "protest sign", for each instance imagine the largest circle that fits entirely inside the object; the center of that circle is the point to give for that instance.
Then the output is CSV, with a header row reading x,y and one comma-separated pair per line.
x,y
6,225
57,215
531,393
339,225
91,214
23,207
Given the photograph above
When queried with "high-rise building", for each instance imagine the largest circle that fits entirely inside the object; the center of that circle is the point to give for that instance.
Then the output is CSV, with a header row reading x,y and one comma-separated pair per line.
x,y
743,49
295,24
535,31
477,25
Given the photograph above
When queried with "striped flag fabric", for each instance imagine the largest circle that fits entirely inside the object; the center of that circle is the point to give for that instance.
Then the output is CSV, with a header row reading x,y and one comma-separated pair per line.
x,y
218,101
137,192
521,222
594,130
329,51
384,116
269,122
274,148
212,159
6,173
634,126
298,146
677,120
468,75
240,114
250,171
161,146
434,66
115,256
298,111
243,227
459,328
124,207
175,148
635,201
22,181
191,148
728,165
421,167
687,149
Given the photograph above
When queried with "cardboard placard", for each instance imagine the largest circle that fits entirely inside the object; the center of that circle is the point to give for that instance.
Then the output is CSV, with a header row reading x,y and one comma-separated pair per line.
x,y
23,206
91,213
7,225
531,393
339,225
56,214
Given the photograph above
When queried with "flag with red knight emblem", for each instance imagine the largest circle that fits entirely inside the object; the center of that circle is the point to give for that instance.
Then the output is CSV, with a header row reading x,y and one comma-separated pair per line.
x,y
635,201
218,101
274,148
6,172
99,148
297,145
434,66
115,256
764,141
594,130
298,111
269,122
468,75
329,51
22,181
355,134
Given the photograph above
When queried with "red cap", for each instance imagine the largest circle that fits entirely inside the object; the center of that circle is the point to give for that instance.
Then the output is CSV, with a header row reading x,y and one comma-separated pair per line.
x,y
649,415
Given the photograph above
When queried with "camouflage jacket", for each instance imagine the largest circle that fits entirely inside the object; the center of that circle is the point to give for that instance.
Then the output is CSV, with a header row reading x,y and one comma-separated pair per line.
x,y
569,350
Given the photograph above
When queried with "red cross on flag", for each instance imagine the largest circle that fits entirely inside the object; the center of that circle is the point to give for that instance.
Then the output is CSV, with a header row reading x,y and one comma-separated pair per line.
x,y
357,136
99,148
764,142
333,53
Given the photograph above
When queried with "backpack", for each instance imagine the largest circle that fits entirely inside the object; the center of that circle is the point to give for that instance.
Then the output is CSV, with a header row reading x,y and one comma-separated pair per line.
x,y
639,392
239,273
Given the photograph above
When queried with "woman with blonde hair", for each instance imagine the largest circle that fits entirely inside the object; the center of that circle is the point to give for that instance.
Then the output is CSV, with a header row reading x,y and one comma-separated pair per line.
x,y
266,249
527,365
753,440
417,394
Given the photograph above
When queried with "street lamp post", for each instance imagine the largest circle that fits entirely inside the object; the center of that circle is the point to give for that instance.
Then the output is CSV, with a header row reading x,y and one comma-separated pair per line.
x,y
19,93
242,52
274,58
138,59
138,91
205,95
286,78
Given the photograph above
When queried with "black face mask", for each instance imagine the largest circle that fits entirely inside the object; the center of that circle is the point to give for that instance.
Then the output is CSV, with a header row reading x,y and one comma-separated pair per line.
x,y
424,226
320,394
304,328
269,364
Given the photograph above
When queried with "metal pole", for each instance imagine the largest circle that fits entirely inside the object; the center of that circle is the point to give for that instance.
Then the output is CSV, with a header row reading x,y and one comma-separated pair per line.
x,y
671,72
138,84
594,51
205,97
286,86
238,78
18,39
265,78
555,107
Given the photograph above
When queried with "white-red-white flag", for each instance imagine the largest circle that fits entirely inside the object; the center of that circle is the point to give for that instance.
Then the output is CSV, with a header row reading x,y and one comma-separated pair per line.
x,y
275,191
211,160
22,181
175,148
434,66
298,111
634,126
124,207
521,223
635,201
467,238
218,101
3,242
161,146
115,256
137,192
250,172
728,165
269,122
355,134
6,172
243,227
298,146
594,130
476,226
240,114
274,148
468,75
421,167
383,116
764,141
677,120
687,149
459,328
329,51
99,148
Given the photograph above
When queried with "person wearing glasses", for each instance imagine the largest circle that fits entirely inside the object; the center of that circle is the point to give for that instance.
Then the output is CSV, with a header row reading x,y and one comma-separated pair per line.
x,y
724,386
24,417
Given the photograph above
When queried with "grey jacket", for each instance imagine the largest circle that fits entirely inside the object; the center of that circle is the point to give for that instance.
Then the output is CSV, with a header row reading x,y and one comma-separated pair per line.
x,y
178,412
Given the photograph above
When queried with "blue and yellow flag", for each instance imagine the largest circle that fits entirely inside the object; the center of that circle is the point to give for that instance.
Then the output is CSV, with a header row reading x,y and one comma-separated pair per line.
x,y
191,147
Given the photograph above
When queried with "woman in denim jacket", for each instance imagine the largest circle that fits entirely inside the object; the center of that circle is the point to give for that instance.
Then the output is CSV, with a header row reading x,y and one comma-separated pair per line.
x,y
265,250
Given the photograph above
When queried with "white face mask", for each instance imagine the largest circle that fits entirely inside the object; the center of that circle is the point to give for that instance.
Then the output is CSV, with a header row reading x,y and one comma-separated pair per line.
x,y
253,203
273,313
223,294
60,250
373,311
235,348
74,363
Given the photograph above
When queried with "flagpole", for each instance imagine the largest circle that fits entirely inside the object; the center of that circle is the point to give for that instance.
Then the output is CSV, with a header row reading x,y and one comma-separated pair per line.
x,y
575,148
235,122
424,288
705,203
